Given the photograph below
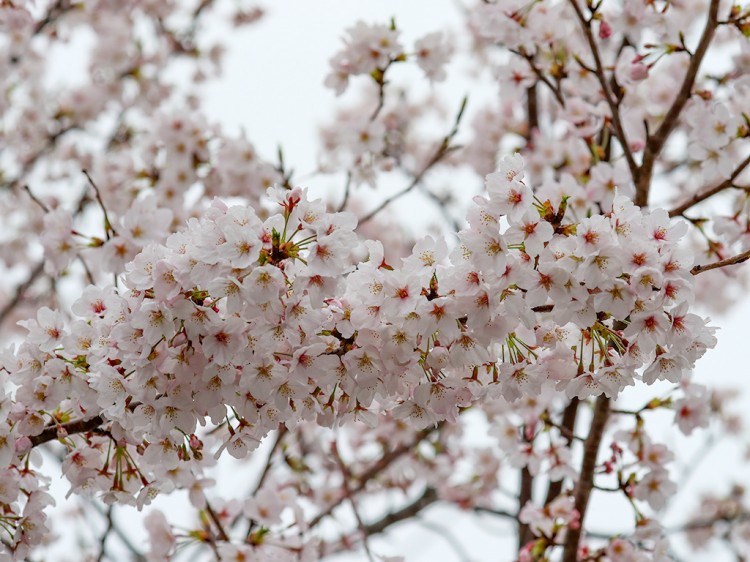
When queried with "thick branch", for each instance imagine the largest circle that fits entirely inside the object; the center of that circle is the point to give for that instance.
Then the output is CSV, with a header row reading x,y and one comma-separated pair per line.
x,y
525,496
656,142
703,195
50,433
586,480
567,430
532,112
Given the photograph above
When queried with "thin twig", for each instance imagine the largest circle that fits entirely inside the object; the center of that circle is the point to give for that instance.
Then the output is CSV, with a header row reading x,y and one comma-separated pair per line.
x,y
345,474
347,190
444,149
105,535
124,539
448,537
280,433
217,523
20,290
739,258
703,195
410,510
541,78
496,512
381,464
107,223
619,130
35,199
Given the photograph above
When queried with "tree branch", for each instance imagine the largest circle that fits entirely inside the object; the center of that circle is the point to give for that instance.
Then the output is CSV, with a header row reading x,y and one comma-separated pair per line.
x,y
656,142
525,496
22,288
739,258
611,102
567,428
703,195
381,464
586,480
50,433
428,497
443,150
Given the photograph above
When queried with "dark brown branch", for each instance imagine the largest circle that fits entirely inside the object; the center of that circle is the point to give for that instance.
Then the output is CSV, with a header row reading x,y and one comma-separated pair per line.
x,y
739,258
567,427
586,479
656,142
217,523
532,111
107,223
524,496
50,433
35,199
703,195
542,78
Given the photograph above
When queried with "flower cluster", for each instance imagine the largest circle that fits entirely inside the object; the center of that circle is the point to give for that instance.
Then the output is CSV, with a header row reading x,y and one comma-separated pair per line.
x,y
254,323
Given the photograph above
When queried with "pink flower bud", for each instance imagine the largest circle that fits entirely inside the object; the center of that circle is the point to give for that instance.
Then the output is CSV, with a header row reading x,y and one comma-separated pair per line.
x,y
638,71
195,443
605,30
23,445
637,145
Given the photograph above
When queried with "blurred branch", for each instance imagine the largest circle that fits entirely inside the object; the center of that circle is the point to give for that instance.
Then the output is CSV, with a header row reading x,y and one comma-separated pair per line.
x,y
346,474
614,108
703,195
586,479
377,467
566,428
21,290
105,535
524,496
443,150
